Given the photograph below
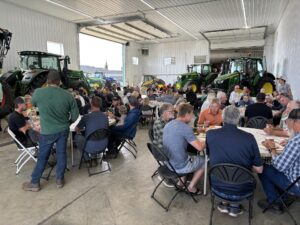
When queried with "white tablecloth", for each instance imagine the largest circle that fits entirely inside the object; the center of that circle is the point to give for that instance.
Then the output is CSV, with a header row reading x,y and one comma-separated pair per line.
x,y
259,136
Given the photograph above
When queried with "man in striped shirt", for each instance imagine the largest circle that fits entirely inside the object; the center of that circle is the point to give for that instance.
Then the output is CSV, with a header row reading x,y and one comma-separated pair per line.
x,y
285,167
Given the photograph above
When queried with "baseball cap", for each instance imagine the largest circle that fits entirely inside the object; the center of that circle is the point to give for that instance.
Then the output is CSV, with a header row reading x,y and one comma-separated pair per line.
x,y
282,77
116,98
294,114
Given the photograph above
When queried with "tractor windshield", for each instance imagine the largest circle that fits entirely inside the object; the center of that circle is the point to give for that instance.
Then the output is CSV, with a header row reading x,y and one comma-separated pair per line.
x,y
237,66
29,62
49,63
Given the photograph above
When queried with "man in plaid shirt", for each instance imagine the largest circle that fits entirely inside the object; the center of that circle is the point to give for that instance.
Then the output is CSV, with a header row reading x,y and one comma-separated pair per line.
x,y
285,168
166,114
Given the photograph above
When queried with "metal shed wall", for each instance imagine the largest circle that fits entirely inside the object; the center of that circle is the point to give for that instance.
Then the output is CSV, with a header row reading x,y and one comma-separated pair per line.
x,y
31,31
287,47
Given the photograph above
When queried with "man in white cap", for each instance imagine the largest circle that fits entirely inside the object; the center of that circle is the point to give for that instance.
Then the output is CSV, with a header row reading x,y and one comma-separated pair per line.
x,y
284,87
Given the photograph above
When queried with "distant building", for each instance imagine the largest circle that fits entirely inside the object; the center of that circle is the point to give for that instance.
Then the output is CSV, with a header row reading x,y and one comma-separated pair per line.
x,y
116,74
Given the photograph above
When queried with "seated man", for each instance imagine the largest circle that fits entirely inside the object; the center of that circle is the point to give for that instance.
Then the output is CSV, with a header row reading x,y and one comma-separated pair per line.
x,y
223,99
19,125
176,136
259,109
166,114
282,130
245,101
211,116
127,130
243,152
285,167
90,123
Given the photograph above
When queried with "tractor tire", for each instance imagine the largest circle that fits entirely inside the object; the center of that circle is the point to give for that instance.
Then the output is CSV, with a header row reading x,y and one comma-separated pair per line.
x,y
267,83
195,86
7,104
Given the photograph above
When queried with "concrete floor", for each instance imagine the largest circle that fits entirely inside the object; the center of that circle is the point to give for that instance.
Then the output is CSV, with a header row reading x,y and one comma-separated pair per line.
x,y
121,196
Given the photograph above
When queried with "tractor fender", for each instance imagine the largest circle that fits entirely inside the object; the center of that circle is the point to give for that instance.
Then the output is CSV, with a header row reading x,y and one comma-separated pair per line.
x,y
28,76
270,75
7,103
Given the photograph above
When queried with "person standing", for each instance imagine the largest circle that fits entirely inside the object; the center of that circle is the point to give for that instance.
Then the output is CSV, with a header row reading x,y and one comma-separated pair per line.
x,y
284,87
57,109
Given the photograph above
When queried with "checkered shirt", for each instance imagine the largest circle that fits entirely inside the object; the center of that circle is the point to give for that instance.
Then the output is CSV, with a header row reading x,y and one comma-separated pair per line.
x,y
288,162
158,128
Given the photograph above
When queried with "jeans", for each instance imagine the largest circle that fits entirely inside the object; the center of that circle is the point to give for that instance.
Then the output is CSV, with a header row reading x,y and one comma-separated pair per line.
x,y
45,145
271,179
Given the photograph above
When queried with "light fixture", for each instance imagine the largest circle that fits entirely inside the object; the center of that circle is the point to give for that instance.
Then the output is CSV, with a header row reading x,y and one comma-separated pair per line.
x,y
167,18
244,14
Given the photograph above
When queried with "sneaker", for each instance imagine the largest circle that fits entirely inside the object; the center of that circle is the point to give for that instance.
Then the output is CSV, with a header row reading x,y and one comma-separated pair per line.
x,y
275,208
60,183
235,211
223,207
28,186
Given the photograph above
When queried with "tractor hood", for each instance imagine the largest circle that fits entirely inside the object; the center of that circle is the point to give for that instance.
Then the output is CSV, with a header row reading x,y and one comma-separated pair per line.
x,y
220,79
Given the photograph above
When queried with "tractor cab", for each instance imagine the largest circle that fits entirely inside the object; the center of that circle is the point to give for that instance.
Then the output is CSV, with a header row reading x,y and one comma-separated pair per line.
x,y
249,72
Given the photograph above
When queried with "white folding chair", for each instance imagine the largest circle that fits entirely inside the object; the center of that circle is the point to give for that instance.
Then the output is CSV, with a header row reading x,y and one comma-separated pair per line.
x,y
26,153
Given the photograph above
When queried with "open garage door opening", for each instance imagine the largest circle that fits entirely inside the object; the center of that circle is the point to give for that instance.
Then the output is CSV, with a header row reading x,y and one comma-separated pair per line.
x,y
101,61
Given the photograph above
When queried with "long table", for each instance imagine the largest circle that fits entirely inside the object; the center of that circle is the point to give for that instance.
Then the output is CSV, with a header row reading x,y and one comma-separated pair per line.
x,y
259,136
72,129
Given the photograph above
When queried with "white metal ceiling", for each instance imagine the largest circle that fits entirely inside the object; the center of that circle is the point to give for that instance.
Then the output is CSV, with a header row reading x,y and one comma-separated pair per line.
x,y
174,19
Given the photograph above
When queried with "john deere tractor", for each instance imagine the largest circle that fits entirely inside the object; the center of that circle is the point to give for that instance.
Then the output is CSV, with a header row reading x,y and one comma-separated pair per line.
x,y
34,67
249,72
150,81
6,100
197,76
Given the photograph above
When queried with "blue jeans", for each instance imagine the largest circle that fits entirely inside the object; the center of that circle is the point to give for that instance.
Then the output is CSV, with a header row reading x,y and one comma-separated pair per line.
x,y
45,145
271,179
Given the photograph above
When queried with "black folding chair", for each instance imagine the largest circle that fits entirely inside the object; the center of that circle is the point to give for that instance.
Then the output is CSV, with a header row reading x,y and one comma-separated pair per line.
x,y
167,171
151,134
228,179
131,145
151,137
97,155
285,192
258,122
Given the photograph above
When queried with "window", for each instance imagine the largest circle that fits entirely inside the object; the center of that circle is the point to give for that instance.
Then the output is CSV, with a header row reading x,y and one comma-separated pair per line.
x,y
55,48
135,60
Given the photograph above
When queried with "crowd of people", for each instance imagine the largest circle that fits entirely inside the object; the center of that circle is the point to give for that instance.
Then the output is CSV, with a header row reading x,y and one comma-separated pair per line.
x,y
179,112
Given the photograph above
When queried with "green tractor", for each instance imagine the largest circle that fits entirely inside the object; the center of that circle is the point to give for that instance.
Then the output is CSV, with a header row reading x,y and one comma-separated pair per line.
x,y
150,81
249,72
96,80
6,100
34,67
198,75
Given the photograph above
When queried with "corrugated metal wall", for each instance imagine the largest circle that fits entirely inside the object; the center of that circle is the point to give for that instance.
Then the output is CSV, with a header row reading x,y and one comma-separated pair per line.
x,y
287,47
31,31
183,52
269,52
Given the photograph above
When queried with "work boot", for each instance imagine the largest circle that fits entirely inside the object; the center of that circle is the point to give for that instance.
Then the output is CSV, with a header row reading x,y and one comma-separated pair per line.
x,y
28,186
60,183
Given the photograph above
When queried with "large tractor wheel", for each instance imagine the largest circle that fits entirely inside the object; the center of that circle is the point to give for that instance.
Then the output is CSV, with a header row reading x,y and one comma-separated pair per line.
x,y
7,103
38,81
194,85
266,83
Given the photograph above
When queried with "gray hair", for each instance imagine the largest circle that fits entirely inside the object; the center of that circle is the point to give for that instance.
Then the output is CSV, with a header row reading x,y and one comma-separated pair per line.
x,y
165,107
231,115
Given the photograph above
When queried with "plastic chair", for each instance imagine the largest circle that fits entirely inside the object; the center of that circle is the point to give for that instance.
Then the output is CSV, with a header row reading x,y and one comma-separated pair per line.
x,y
166,171
286,191
258,122
97,154
227,180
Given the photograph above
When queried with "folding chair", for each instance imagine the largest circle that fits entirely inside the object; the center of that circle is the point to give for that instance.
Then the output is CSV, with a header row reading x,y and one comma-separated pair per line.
x,y
258,122
26,153
132,147
286,191
97,154
167,171
227,180
151,137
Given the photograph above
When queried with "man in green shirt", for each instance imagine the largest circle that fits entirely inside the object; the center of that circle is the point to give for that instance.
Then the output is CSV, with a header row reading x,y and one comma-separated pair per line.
x,y
57,109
